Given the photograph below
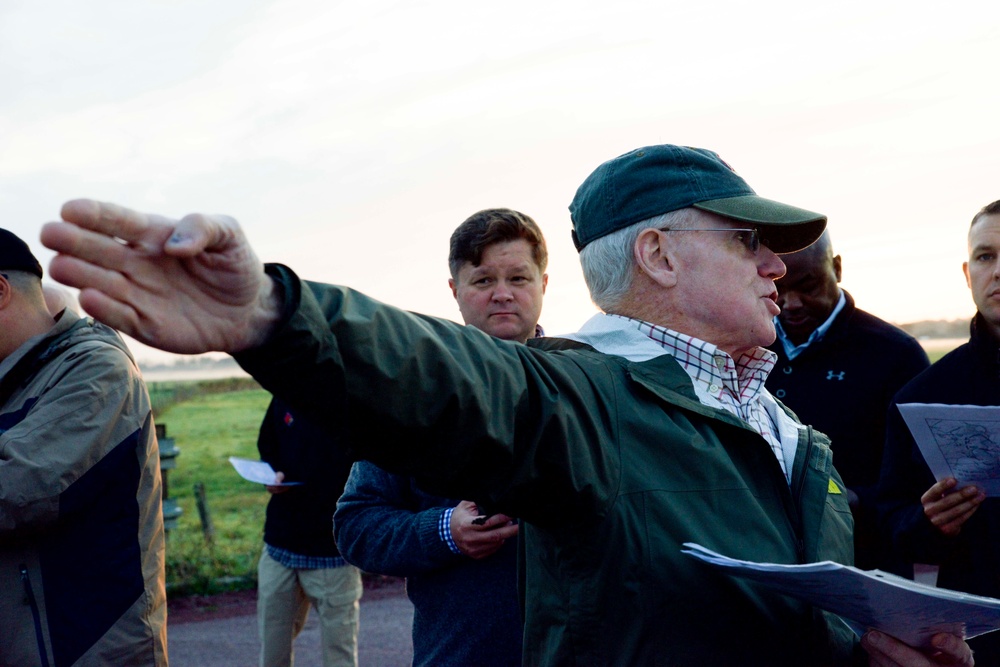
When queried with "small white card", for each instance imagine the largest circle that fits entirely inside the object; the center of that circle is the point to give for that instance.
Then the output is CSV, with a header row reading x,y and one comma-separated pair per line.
x,y
259,472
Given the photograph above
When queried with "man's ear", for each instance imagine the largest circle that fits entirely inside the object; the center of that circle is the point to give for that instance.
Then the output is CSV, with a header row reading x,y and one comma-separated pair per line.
x,y
6,292
654,257
965,270
838,269
454,288
545,282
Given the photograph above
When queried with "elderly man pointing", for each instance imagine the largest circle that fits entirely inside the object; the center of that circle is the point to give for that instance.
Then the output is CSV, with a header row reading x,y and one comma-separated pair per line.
x,y
649,428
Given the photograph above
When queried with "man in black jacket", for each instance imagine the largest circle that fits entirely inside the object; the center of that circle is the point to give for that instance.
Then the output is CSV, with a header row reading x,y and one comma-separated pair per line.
x,y
838,368
300,565
932,522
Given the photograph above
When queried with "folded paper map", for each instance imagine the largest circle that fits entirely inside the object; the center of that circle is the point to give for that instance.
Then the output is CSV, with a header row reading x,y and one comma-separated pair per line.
x,y
960,441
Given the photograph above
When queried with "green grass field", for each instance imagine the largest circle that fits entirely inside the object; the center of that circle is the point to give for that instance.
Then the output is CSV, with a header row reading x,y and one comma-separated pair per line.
x,y
208,428
937,348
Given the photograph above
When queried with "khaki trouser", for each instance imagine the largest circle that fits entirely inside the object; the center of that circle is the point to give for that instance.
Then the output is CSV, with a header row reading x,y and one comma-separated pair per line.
x,y
284,596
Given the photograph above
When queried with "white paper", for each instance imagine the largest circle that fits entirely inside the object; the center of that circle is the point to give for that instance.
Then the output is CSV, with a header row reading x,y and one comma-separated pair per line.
x,y
899,607
260,472
960,441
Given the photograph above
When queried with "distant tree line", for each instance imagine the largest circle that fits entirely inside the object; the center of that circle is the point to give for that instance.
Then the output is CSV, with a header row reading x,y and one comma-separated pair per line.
x,y
189,363
937,328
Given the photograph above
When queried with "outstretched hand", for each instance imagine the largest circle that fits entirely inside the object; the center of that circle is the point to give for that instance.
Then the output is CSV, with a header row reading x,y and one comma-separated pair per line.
x,y
187,286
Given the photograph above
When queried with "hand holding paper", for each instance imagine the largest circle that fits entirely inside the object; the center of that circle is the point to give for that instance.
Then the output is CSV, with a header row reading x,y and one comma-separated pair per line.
x,y
911,612
947,508
259,472
958,441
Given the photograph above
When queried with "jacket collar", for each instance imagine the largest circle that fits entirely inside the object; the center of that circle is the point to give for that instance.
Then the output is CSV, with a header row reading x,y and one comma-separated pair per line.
x,y
985,345
65,322
845,306
617,337
655,369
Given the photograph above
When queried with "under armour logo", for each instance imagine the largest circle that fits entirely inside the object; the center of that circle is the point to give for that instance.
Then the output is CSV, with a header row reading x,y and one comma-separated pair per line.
x,y
830,375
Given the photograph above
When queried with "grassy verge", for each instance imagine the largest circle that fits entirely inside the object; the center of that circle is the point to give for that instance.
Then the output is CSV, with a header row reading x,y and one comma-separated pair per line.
x,y
938,347
208,427
163,395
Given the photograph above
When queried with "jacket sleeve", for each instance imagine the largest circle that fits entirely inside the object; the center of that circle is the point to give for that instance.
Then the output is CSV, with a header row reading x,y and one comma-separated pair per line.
x,y
62,432
904,479
470,416
379,527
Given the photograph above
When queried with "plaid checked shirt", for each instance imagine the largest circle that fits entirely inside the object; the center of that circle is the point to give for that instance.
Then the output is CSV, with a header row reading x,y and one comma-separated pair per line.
x,y
296,561
721,382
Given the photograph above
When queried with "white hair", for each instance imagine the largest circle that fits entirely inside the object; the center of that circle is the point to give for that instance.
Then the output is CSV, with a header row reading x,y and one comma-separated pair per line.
x,y
608,262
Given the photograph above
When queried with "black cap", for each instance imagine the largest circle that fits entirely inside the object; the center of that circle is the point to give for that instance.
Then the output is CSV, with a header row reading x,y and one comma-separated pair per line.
x,y
16,256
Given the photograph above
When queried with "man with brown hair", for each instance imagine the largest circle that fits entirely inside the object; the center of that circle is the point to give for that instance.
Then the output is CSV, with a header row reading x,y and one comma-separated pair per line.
x,y
460,564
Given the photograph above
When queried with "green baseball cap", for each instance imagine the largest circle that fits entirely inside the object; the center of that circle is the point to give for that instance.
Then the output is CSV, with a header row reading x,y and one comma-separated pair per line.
x,y
654,180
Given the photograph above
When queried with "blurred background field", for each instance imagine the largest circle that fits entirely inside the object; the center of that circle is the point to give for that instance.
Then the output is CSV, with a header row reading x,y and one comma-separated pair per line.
x,y
938,347
209,421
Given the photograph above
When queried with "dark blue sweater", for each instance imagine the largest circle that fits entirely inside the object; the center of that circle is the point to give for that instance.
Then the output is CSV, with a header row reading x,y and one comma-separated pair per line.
x,y
466,612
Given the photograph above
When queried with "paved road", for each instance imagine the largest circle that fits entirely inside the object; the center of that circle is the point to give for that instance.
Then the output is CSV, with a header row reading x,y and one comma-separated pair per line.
x,y
384,637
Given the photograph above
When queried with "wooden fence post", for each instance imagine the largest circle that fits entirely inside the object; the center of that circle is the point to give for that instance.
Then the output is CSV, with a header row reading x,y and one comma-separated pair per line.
x,y
206,519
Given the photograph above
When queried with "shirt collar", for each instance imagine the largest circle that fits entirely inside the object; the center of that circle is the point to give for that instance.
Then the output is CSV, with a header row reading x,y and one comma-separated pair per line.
x,y
743,377
791,349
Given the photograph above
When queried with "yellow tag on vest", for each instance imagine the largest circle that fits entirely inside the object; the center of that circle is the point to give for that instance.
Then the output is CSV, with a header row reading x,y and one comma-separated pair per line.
x,y
833,488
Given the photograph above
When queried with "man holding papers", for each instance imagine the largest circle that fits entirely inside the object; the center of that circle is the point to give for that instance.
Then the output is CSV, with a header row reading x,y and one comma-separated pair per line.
x,y
944,522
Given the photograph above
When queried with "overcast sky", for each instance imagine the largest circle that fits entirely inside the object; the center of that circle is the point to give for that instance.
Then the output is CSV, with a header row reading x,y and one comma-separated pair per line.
x,y
351,138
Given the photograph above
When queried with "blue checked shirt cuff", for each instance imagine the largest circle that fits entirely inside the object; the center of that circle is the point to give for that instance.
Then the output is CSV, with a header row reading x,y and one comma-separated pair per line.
x,y
444,530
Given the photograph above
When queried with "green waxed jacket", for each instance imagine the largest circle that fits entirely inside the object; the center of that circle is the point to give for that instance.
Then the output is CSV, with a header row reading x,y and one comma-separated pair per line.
x,y
611,465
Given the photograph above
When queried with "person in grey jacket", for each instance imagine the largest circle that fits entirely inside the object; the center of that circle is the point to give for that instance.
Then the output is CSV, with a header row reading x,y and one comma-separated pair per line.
x,y
81,524
647,429
460,565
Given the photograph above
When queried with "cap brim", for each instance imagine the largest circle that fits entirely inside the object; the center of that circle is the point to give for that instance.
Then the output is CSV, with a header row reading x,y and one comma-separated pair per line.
x,y
783,228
